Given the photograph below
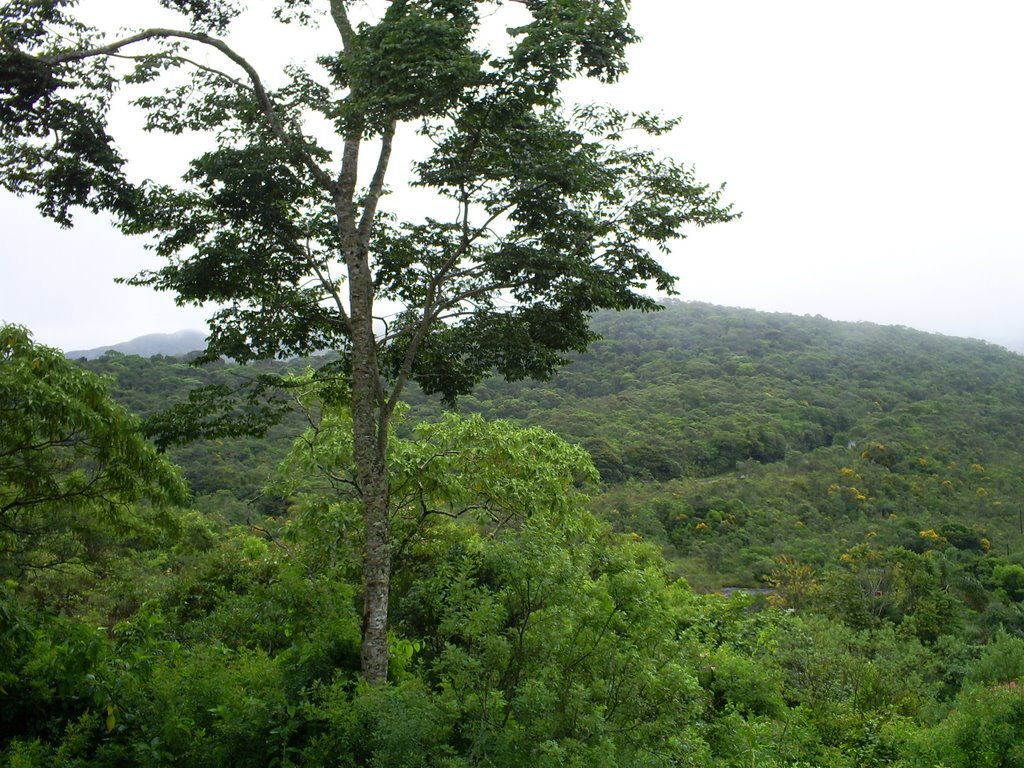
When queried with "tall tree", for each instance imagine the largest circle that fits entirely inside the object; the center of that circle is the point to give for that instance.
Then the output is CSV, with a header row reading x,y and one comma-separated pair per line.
x,y
281,226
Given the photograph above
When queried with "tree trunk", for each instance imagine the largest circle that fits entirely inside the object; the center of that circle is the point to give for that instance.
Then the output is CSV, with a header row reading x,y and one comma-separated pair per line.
x,y
369,435
376,574
370,446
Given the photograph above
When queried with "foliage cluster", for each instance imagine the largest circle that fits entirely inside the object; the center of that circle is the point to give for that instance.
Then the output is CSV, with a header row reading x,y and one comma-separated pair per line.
x,y
73,467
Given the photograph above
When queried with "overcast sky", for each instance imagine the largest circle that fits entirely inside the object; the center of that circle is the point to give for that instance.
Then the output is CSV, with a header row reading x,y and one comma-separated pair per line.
x,y
874,148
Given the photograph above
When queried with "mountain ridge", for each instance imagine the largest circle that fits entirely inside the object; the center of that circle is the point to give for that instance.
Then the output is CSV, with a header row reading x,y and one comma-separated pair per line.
x,y
171,344
184,341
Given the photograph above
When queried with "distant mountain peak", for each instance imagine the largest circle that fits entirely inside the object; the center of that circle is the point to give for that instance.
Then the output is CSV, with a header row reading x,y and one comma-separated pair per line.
x,y
173,344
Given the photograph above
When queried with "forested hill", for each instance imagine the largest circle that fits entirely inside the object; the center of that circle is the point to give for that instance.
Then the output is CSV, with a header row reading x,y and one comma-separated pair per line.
x,y
733,436
739,436
694,389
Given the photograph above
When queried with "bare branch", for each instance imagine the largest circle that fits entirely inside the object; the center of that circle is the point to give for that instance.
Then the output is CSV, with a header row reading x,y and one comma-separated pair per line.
x,y
179,59
262,97
269,536
377,183
328,285
427,318
483,290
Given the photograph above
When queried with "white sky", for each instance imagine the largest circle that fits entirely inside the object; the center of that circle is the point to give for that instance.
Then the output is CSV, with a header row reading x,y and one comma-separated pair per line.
x,y
875,148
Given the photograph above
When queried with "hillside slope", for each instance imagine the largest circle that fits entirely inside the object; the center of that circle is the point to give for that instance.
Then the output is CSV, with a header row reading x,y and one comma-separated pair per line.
x,y
733,436
738,436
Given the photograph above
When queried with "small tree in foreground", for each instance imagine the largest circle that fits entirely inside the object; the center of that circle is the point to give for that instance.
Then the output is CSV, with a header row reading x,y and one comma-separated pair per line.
x,y
491,472
73,463
551,216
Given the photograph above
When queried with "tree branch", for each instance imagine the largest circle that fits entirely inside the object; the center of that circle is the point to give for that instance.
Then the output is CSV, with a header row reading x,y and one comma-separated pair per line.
x,y
341,21
179,59
328,284
376,189
259,90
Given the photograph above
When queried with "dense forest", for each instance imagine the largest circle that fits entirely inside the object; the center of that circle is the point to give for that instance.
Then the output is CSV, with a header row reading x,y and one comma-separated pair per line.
x,y
787,542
